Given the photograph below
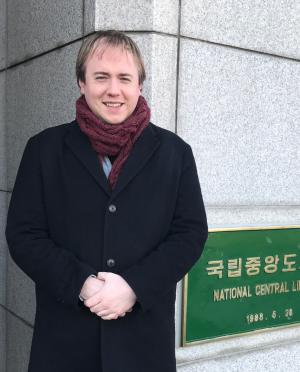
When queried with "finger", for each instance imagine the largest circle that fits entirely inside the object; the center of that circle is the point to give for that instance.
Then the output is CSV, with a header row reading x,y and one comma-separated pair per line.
x,y
93,300
122,315
103,313
100,307
110,317
102,275
129,310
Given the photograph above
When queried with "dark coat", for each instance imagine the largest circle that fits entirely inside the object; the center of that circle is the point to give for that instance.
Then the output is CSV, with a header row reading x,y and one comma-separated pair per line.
x,y
62,227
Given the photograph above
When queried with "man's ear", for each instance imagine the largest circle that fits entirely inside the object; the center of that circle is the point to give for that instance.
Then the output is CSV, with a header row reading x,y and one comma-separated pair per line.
x,y
81,86
141,88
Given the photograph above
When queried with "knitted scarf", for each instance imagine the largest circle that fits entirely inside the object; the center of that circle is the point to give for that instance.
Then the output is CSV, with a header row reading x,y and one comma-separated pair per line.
x,y
112,139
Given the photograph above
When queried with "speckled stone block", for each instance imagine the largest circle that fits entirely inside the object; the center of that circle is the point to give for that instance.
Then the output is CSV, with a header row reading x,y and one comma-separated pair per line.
x,y
19,336
253,216
2,34
20,292
35,26
178,313
263,351
3,247
165,16
160,56
40,94
271,27
279,359
240,112
136,15
89,16
3,173
2,339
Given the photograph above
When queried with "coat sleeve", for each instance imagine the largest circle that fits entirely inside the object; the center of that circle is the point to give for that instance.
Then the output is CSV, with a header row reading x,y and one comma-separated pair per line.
x,y
49,265
159,272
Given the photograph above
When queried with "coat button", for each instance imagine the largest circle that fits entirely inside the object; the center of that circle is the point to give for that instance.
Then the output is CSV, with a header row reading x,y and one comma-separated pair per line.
x,y
110,262
112,208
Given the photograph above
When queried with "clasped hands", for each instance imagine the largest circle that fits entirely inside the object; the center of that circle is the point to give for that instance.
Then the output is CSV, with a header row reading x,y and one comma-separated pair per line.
x,y
108,296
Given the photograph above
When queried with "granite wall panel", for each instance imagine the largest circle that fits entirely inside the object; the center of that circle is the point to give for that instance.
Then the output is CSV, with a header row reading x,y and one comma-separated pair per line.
x,y
2,34
257,351
3,247
271,27
160,55
3,159
279,358
35,26
134,15
20,298
253,216
19,336
40,93
2,339
240,111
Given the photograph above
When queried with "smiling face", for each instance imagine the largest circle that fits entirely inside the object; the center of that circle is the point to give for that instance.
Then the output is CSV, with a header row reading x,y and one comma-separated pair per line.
x,y
111,87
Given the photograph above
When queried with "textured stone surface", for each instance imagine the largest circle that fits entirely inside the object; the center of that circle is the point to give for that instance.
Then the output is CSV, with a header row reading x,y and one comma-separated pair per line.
x,y
252,24
165,16
2,33
178,312
240,112
3,247
160,55
89,16
3,178
136,15
253,216
20,292
264,351
2,340
19,336
36,26
279,359
40,93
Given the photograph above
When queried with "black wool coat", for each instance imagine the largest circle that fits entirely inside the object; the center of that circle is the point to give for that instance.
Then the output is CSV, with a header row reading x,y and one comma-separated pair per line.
x,y
64,223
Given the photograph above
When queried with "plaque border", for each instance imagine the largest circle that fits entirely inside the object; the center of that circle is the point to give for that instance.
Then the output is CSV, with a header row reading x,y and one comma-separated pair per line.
x,y
184,343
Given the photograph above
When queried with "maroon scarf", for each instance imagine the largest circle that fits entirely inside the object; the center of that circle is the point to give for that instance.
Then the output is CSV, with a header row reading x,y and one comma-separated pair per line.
x,y
112,139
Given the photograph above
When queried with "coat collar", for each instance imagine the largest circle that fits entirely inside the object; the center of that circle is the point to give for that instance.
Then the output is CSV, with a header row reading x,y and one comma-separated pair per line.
x,y
141,152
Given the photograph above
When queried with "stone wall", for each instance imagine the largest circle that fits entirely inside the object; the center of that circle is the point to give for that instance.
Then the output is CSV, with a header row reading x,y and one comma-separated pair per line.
x,y
223,74
3,188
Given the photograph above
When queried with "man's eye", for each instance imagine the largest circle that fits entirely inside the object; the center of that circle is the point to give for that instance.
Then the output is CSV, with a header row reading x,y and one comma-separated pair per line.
x,y
125,79
100,77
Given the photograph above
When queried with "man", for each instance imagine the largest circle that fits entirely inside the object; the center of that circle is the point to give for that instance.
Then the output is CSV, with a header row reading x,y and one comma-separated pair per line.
x,y
106,217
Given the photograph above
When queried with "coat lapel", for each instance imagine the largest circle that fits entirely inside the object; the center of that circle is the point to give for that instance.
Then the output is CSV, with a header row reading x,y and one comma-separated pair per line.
x,y
82,149
141,152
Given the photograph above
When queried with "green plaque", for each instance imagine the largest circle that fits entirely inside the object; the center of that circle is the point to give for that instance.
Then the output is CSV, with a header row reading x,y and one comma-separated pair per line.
x,y
246,279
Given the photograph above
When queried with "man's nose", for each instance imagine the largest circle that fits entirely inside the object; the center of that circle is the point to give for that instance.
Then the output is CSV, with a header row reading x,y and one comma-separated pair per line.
x,y
113,88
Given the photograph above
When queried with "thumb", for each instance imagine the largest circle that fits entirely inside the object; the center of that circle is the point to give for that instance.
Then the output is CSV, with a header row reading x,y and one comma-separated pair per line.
x,y
102,275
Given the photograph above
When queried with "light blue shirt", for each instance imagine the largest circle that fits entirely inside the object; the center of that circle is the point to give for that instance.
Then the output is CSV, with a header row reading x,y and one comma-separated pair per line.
x,y
106,164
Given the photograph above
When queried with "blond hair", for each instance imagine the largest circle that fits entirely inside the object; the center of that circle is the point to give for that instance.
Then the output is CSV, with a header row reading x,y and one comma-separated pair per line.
x,y
107,38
